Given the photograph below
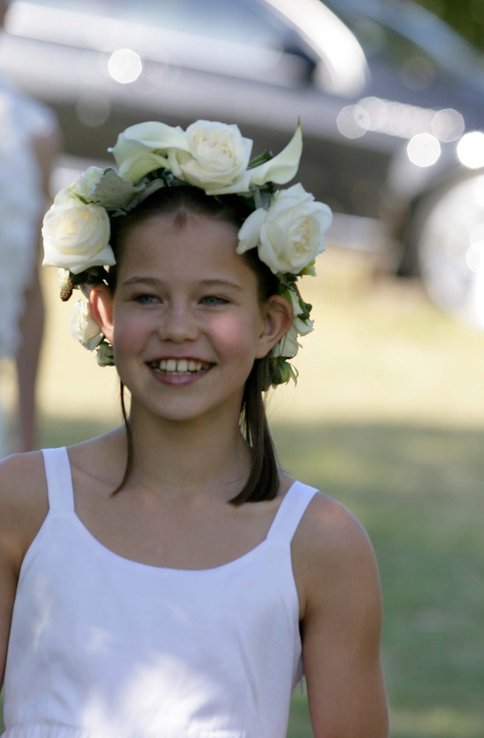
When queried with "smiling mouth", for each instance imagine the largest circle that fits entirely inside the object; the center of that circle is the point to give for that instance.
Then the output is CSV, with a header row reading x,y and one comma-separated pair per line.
x,y
179,366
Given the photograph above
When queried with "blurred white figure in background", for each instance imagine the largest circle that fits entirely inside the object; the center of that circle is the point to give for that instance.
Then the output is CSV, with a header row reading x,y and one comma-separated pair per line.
x,y
478,292
28,147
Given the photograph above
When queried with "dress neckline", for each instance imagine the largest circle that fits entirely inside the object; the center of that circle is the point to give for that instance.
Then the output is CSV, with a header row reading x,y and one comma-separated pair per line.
x,y
108,552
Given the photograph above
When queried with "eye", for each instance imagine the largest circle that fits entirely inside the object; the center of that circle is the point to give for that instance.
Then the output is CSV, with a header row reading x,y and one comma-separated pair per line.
x,y
146,299
214,300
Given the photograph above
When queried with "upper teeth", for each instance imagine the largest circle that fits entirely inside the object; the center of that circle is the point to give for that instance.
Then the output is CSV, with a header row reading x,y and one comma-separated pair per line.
x,y
179,365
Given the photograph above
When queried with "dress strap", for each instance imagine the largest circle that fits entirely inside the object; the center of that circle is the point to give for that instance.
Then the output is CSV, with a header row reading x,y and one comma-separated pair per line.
x,y
59,479
291,510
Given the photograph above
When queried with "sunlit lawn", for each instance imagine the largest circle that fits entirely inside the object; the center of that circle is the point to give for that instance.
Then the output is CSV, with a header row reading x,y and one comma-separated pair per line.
x,y
388,417
419,492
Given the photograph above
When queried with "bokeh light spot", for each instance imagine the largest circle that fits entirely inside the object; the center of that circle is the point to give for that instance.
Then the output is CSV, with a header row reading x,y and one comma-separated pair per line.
x,y
125,66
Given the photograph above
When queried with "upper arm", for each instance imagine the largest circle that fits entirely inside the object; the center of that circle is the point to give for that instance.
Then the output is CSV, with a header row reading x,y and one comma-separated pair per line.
x,y
23,506
8,586
341,623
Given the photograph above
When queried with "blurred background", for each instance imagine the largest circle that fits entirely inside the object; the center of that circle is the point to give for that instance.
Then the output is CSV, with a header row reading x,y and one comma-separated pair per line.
x,y
388,414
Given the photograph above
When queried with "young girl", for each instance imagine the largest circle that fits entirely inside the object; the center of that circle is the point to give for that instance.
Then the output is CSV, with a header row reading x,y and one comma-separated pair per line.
x,y
169,579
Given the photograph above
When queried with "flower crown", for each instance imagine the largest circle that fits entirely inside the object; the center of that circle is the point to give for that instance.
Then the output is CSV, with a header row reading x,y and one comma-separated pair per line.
x,y
286,226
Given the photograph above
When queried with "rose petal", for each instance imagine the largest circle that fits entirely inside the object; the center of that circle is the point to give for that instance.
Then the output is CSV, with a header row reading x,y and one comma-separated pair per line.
x,y
143,148
151,135
248,236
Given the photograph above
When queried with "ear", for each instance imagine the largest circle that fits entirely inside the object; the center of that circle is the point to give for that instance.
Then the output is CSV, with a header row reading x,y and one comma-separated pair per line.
x,y
278,319
102,309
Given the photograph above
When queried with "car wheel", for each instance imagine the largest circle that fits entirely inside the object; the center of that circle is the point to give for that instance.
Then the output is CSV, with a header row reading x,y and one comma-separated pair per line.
x,y
448,239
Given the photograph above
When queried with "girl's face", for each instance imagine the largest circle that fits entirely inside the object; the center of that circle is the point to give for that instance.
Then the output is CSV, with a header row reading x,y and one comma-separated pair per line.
x,y
185,320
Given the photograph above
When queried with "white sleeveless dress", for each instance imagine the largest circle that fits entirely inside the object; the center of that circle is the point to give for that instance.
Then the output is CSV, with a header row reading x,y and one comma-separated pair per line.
x,y
105,647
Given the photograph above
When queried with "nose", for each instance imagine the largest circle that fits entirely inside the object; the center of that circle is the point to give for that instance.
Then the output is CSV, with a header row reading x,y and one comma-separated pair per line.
x,y
178,324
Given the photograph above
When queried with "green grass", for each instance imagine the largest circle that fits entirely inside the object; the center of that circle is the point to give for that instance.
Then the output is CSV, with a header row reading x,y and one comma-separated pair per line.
x,y
419,492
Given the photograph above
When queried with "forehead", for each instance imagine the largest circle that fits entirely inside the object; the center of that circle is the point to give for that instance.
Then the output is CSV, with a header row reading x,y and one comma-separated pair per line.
x,y
189,245
185,229
180,219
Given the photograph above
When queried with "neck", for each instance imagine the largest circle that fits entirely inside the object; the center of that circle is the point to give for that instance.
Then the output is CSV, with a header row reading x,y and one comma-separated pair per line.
x,y
187,459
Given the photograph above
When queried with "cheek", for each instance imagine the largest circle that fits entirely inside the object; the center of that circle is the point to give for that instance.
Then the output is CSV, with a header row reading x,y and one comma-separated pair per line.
x,y
130,328
237,335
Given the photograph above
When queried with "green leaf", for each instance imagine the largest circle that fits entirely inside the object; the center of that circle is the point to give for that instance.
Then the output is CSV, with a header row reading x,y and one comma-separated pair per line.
x,y
260,159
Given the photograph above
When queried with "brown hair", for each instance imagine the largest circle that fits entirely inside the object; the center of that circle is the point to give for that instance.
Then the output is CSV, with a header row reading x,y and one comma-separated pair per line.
x,y
263,481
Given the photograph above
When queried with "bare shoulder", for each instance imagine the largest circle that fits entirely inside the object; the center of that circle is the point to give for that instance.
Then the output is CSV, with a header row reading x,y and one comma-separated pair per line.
x,y
328,529
333,554
23,501
22,480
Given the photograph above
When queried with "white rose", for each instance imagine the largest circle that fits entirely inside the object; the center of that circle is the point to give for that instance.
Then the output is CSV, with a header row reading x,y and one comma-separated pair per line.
x,y
280,169
290,234
85,187
218,155
144,147
83,326
76,235
288,346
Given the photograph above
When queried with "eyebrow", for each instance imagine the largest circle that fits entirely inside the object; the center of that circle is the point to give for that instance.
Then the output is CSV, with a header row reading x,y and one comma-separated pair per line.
x,y
209,283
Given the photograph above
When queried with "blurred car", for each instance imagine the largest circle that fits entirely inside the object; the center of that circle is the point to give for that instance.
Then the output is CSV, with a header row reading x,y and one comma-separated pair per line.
x,y
433,196
387,96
